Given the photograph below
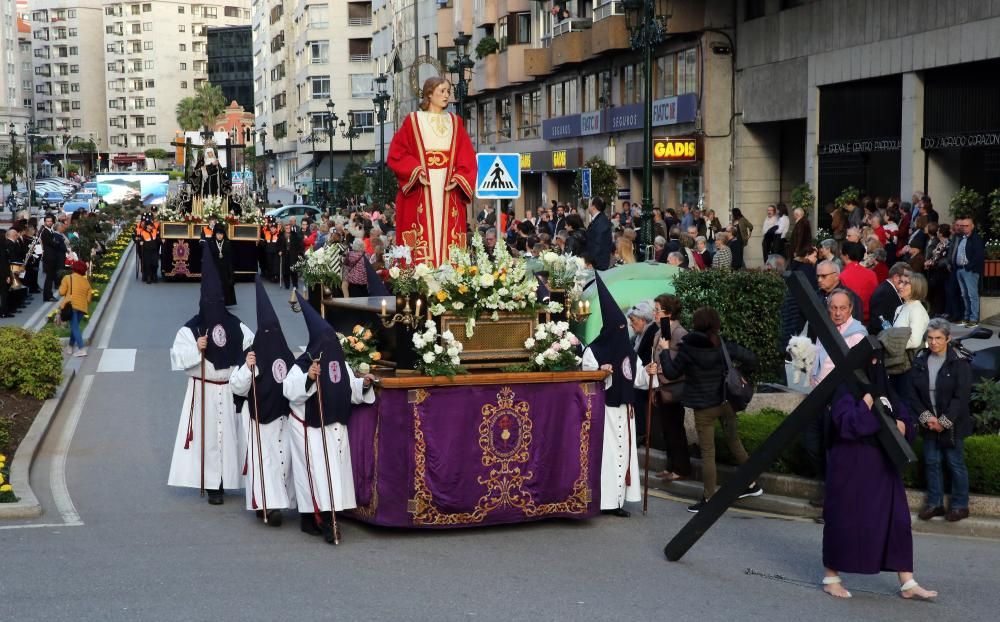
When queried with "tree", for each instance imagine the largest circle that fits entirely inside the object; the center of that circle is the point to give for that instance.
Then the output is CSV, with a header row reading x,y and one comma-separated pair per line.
x,y
188,113
352,181
211,102
603,180
156,154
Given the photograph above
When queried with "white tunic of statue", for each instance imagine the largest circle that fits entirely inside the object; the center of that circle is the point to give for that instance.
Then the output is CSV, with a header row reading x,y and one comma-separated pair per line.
x,y
225,448
620,455
435,133
275,447
306,439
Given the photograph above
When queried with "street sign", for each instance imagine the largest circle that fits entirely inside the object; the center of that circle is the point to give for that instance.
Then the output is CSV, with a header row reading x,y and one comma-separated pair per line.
x,y
585,183
498,176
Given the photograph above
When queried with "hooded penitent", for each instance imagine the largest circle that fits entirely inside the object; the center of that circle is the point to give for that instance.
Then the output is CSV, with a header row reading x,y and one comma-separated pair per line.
x,y
225,337
274,358
333,383
612,347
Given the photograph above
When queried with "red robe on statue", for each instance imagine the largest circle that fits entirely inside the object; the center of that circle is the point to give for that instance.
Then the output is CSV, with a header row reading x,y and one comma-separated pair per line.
x,y
432,218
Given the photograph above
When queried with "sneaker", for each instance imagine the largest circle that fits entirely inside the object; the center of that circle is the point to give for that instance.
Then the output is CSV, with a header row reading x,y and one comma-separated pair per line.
x,y
752,491
957,514
930,512
694,509
81,352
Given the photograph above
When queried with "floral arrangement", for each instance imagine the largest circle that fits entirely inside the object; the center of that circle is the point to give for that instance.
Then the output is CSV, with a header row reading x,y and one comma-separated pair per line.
x,y
6,492
437,357
566,272
553,347
211,207
401,272
321,267
360,349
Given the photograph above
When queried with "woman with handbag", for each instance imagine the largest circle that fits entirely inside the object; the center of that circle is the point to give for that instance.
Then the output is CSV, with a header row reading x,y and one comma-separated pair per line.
x,y
942,387
76,293
667,404
701,361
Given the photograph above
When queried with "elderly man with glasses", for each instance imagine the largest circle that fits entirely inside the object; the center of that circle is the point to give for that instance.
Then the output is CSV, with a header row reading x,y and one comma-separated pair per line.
x,y
828,280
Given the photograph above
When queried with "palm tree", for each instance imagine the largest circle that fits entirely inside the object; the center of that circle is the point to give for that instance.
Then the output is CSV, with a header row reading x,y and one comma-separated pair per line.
x,y
211,102
189,115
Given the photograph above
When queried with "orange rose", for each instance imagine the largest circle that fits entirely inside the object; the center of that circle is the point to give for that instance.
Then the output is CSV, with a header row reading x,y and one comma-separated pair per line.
x,y
376,356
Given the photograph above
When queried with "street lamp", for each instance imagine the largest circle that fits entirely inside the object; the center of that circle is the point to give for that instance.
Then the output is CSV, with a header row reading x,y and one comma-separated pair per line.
x,y
461,63
66,137
350,133
31,132
312,155
262,133
647,25
331,132
381,101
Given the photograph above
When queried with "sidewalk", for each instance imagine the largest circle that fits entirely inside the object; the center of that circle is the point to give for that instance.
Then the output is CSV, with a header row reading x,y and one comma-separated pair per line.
x,y
788,495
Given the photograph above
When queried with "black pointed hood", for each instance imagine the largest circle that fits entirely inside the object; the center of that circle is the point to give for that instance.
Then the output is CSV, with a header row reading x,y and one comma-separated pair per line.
x,y
542,292
274,359
334,383
225,337
376,287
613,347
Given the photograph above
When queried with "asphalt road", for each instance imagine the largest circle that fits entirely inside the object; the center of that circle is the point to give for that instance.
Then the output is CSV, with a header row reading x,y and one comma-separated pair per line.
x,y
124,546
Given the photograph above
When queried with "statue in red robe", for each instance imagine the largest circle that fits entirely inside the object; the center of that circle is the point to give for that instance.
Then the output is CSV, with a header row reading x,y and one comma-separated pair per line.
x,y
435,164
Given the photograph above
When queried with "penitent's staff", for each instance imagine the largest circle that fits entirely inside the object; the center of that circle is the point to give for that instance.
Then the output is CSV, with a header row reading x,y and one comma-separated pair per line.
x,y
326,455
260,452
645,467
202,493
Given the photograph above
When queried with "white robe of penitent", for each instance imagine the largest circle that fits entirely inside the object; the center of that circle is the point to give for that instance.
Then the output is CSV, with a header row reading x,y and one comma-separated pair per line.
x,y
309,468
224,449
275,450
619,455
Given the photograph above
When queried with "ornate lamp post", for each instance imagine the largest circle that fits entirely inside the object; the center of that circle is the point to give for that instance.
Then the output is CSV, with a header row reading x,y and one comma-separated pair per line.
x,y
381,101
647,25
312,155
262,134
13,159
461,64
331,132
350,133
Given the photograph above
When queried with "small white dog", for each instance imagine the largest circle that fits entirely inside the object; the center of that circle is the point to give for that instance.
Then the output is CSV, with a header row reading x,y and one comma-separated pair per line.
x,y
803,355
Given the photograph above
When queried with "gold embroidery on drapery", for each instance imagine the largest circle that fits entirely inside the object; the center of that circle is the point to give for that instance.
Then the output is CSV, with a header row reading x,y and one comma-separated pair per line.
x,y
505,435
368,511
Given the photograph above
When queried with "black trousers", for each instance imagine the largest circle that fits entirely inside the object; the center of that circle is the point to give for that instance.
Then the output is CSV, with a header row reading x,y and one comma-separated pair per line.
x,y
6,305
289,277
814,442
670,417
273,265
50,281
150,259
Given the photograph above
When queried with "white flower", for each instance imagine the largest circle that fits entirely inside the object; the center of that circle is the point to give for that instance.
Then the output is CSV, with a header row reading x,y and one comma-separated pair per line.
x,y
448,335
540,333
551,355
431,327
394,272
458,305
364,368
437,309
486,280
540,359
452,352
428,357
503,291
529,343
564,343
549,257
421,270
418,341
438,349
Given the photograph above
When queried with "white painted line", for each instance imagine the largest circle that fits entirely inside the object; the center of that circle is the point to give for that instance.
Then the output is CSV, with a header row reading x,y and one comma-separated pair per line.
x,y
41,525
112,318
39,313
117,360
60,492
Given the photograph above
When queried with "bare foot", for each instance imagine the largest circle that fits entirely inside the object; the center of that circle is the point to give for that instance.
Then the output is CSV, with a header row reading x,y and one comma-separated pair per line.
x,y
837,590
918,593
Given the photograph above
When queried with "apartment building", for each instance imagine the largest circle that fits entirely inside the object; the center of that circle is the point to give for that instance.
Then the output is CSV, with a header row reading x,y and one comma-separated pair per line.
x,y
230,63
68,99
155,54
560,91
312,60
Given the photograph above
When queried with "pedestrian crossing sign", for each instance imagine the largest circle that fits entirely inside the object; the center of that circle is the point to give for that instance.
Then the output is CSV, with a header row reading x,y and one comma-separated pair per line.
x,y
499,175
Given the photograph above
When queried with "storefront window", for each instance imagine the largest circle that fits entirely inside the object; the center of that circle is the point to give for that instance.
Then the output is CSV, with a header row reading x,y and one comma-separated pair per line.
x,y
632,84
530,114
590,93
689,186
687,71
664,76
564,98
487,122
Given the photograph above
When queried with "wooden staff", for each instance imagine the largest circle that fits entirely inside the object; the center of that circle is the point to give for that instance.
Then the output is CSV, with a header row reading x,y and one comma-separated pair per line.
x,y
202,493
260,451
326,456
645,467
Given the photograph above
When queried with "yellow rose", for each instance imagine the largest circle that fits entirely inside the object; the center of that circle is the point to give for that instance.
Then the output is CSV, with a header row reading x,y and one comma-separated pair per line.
x,y
442,295
5,488
462,289
1,478
352,340
368,334
376,356
3,458
359,346
460,270
358,329
473,270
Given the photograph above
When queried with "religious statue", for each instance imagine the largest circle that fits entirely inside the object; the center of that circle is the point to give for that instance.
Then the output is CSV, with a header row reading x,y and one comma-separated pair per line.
x,y
435,164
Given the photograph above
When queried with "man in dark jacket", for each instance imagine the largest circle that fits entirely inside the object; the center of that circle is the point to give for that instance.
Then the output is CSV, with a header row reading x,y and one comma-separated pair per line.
x,y
290,248
599,235
885,299
970,259
53,255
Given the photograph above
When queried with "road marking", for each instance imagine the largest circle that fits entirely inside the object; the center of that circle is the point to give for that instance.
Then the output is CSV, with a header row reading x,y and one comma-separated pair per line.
x,y
60,492
117,360
38,525
109,322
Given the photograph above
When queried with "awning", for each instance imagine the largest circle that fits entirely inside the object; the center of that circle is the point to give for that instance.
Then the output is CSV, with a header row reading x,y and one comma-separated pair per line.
x,y
125,158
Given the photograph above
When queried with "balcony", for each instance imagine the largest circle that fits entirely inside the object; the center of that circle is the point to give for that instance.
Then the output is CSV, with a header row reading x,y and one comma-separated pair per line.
x,y
359,58
485,13
538,61
610,31
359,21
511,66
571,41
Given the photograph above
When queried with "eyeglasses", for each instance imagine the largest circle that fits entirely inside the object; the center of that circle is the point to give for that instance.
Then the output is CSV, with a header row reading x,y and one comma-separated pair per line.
x,y
823,276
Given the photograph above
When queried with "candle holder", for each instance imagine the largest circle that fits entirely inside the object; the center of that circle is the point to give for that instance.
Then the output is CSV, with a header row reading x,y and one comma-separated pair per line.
x,y
578,312
408,317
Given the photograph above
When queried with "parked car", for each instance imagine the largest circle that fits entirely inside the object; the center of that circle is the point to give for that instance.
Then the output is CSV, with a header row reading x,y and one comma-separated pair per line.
x,y
52,200
284,213
80,200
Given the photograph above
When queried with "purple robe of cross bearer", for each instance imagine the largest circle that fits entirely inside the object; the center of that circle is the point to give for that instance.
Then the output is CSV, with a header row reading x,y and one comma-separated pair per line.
x,y
867,520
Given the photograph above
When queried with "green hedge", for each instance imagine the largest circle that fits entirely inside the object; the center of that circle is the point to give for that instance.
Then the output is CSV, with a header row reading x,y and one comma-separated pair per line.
x,y
749,302
982,453
30,363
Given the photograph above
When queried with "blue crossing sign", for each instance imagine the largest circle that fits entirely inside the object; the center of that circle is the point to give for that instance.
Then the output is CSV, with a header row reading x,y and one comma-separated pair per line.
x,y
499,175
585,183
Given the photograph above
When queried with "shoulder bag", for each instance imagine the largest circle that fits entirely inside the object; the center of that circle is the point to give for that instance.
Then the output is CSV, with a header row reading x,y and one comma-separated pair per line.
x,y
66,312
736,389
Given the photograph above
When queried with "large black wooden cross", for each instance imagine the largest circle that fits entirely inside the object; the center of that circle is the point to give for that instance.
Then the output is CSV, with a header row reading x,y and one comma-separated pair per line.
x,y
848,370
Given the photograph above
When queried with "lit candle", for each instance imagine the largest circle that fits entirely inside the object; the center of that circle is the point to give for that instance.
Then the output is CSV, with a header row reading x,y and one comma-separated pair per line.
x,y
418,308
580,306
383,307
586,306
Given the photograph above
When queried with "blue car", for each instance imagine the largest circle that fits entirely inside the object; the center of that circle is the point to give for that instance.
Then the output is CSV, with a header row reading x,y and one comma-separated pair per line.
x,y
53,200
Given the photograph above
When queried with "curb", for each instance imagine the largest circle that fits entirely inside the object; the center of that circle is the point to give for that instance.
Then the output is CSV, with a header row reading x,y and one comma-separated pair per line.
x,y
20,471
788,495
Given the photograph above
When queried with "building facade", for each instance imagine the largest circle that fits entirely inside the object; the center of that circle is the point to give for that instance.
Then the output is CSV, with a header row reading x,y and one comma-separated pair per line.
x,y
230,63
155,54
563,91
313,62
69,104
890,98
